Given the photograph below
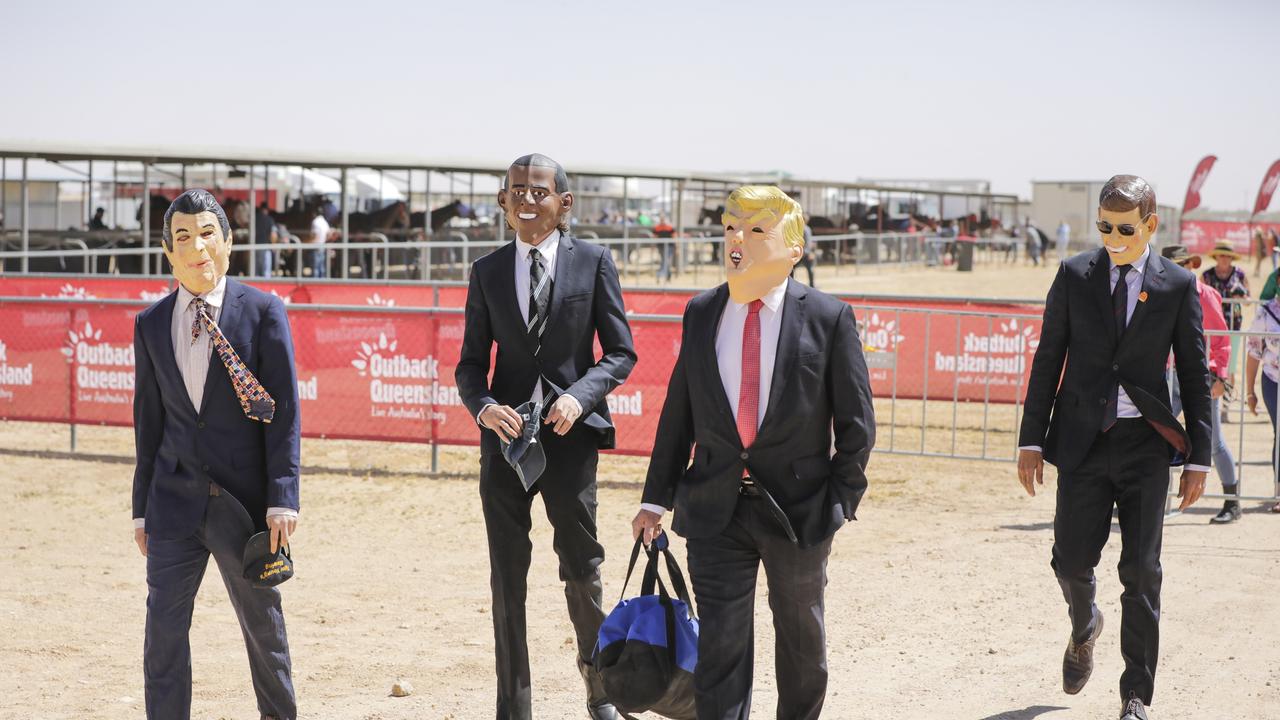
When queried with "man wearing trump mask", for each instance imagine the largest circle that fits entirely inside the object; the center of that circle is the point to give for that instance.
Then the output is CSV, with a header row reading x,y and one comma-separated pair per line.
x,y
216,427
769,379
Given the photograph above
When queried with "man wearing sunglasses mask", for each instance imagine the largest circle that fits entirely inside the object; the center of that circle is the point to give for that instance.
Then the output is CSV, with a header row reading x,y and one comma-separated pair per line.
x,y
1111,319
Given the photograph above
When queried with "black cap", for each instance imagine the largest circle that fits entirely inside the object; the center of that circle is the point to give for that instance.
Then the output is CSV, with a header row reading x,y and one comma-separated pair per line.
x,y
264,568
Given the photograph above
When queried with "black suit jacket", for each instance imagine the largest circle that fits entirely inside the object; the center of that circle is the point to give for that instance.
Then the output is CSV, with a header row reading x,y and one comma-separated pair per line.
x,y
586,301
1079,332
820,385
181,448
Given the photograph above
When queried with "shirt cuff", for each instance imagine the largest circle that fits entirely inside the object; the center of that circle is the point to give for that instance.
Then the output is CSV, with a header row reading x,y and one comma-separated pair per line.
x,y
282,511
486,407
655,509
139,523
1037,448
1197,468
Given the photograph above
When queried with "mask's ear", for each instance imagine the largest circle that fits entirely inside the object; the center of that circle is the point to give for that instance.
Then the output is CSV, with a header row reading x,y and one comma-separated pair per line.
x,y
566,201
797,252
1153,222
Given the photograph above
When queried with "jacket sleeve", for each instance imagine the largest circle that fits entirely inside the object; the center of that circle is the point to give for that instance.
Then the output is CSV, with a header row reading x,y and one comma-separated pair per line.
x,y
853,418
1046,367
472,372
618,352
674,440
1193,375
148,420
282,437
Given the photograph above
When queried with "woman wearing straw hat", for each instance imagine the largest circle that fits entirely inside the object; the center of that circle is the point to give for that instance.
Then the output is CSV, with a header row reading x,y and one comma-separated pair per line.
x,y
1232,284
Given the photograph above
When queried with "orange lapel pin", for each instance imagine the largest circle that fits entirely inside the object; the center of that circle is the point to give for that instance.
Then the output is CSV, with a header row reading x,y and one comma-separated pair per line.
x,y
1142,296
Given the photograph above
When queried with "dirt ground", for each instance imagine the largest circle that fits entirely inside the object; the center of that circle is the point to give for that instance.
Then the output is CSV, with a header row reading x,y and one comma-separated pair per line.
x,y
941,602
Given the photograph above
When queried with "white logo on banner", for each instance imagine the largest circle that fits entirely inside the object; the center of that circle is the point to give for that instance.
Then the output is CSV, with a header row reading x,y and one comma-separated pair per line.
x,y
104,371
72,291
392,387
153,295
309,389
624,404
13,375
880,338
1002,353
283,298
378,301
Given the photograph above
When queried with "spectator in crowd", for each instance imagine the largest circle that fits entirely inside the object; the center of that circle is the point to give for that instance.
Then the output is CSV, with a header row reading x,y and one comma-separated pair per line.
x,y
264,236
1218,351
1260,251
665,249
1232,284
319,235
810,248
1265,353
97,222
1032,239
1064,239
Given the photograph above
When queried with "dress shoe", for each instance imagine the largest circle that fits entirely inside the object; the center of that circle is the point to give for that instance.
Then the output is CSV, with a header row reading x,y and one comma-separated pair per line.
x,y
1230,513
1077,662
605,711
1133,709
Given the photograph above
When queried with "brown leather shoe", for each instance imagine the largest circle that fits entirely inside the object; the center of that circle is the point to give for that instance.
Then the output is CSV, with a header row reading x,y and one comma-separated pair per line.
x,y
1077,662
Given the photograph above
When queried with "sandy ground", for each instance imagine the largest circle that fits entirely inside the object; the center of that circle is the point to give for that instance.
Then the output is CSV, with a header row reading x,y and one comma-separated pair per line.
x,y
941,602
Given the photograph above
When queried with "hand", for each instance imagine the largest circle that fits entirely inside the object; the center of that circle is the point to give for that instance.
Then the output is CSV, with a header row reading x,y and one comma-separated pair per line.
x,y
564,413
1030,470
502,420
1217,389
281,527
648,524
1253,403
140,537
1190,488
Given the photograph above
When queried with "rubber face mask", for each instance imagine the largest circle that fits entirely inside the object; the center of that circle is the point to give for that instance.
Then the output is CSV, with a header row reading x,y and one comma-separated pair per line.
x,y
757,257
200,252
531,204
1126,249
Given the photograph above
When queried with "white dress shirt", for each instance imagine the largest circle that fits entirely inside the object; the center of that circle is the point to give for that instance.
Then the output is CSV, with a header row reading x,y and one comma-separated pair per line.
x,y
1133,281
193,358
729,353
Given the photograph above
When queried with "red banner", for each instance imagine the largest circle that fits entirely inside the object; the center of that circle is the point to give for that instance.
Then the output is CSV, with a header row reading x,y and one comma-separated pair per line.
x,y
1267,189
1198,177
389,376
1200,235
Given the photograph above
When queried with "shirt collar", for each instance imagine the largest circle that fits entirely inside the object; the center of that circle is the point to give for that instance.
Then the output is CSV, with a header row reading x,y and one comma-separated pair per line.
x,y
1139,265
772,299
546,248
213,297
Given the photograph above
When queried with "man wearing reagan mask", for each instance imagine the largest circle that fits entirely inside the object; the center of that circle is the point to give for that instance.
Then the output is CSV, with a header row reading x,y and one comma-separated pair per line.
x,y
769,380
217,436
1110,321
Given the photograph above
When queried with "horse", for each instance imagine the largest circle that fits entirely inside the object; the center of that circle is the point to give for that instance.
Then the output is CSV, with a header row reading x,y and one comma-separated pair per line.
x,y
387,220
709,216
440,217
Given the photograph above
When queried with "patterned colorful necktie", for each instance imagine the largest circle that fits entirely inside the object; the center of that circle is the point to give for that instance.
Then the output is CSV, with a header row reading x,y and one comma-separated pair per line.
x,y
255,401
749,390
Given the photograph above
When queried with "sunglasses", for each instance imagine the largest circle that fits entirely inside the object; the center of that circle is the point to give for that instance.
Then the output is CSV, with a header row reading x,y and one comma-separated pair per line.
x,y
1126,229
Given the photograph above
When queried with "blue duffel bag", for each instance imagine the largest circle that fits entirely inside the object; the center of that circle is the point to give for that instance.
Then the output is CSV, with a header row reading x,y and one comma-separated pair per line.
x,y
648,645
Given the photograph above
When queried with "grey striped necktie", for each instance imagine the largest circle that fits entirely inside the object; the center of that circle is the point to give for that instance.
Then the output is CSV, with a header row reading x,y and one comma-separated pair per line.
x,y
539,298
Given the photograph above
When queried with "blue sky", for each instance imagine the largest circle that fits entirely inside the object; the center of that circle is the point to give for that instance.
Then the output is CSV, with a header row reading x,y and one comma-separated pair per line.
x,y
1007,91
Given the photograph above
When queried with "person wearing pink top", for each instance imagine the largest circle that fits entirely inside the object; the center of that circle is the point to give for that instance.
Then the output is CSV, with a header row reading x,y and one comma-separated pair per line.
x,y
1219,352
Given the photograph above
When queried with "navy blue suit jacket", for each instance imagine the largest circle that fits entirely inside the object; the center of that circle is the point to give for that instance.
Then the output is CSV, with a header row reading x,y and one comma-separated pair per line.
x,y
181,448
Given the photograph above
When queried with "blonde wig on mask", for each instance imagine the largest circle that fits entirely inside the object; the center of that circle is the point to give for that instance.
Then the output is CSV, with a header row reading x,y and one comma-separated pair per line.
x,y
751,202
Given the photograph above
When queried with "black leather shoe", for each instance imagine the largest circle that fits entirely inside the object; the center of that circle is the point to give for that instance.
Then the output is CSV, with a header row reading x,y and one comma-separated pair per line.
x,y
1229,514
605,711
1077,662
1133,710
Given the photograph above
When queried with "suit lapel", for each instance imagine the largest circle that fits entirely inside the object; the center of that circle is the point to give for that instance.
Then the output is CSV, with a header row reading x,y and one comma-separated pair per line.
x,y
788,348
227,318
159,332
504,286
711,364
560,278
1100,279
1152,285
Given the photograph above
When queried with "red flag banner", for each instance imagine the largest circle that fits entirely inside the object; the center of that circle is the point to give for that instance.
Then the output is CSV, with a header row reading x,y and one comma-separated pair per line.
x,y
1197,181
1267,189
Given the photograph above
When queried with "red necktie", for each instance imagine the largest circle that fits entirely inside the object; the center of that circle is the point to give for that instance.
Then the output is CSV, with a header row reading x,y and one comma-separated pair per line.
x,y
749,390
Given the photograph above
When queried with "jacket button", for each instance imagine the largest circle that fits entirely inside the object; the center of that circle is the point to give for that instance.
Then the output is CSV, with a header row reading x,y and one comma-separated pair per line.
x,y
1102,401
1115,367
204,468
744,455
200,424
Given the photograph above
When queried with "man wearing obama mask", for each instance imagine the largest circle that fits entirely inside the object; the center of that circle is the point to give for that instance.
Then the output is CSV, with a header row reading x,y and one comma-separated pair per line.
x,y
216,428
771,394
